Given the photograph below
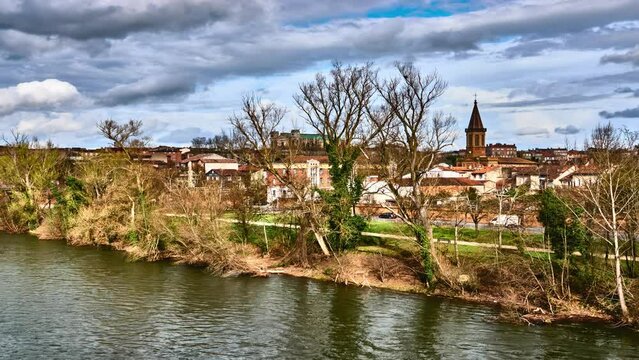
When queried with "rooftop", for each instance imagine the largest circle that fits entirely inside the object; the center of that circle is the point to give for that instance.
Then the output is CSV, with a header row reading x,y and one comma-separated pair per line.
x,y
475,122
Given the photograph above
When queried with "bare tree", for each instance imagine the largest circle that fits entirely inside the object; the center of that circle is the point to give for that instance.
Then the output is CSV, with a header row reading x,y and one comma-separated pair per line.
x,y
411,142
476,206
123,136
457,205
338,107
252,129
607,202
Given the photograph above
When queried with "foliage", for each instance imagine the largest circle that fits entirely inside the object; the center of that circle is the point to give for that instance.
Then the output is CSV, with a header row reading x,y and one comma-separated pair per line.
x,y
69,200
428,267
18,212
344,227
243,199
338,107
27,170
562,226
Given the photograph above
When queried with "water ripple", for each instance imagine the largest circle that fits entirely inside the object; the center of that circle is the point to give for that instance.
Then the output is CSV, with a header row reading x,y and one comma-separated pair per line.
x,y
60,302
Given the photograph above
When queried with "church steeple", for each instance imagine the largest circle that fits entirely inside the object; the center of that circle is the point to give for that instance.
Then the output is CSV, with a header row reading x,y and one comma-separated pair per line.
x,y
475,134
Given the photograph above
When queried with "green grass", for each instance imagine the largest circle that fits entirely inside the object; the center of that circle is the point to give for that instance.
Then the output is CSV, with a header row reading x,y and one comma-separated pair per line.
x,y
388,227
407,247
488,236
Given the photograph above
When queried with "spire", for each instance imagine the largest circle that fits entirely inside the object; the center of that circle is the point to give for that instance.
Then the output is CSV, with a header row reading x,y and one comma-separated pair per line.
x,y
475,122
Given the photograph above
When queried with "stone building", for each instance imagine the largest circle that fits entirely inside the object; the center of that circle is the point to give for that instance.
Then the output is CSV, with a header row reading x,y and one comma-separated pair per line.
x,y
501,150
303,141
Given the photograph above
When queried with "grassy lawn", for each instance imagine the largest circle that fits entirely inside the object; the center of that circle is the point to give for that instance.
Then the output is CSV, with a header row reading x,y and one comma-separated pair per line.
x,y
388,227
465,234
488,236
406,247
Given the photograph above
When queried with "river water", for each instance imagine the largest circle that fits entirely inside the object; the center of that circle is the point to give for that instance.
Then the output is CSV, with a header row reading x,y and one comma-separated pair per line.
x,y
62,302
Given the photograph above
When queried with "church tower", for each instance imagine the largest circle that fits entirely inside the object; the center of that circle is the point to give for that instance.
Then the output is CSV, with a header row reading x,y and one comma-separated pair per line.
x,y
475,135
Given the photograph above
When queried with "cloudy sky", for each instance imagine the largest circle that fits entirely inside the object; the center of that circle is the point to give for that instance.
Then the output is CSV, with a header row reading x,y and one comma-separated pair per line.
x,y
544,71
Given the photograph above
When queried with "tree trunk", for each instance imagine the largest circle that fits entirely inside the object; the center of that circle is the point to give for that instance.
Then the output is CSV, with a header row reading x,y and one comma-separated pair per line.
x,y
320,240
499,229
456,249
619,279
302,253
132,214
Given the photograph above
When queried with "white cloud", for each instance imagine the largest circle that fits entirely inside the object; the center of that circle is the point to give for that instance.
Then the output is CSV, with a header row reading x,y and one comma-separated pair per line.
x,y
37,95
54,124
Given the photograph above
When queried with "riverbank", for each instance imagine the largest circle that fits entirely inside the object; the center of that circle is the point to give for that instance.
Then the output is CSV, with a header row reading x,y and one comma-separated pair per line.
x,y
133,309
515,302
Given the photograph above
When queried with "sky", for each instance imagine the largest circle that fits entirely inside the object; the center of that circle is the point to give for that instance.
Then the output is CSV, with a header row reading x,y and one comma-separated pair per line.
x,y
545,72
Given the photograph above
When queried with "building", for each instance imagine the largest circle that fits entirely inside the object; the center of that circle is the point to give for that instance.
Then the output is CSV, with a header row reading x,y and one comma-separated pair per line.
x,y
548,155
475,135
501,150
285,140
314,170
455,186
447,171
166,155
209,165
210,162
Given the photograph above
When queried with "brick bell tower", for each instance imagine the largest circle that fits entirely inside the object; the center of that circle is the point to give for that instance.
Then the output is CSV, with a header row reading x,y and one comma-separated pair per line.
x,y
475,135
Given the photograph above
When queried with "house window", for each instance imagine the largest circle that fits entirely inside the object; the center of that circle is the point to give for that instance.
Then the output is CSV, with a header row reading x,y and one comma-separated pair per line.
x,y
477,140
313,172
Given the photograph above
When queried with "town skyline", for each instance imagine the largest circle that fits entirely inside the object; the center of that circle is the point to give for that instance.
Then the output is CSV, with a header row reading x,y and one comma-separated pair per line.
x,y
543,71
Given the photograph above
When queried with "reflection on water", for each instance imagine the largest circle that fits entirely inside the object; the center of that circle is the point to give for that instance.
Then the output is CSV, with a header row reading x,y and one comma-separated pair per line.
x,y
78,303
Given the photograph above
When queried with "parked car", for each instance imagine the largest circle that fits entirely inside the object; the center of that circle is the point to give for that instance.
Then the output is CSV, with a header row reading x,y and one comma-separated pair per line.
x,y
387,215
505,220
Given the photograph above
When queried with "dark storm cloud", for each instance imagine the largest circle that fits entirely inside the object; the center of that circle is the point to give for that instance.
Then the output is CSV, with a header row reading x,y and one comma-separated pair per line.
x,y
627,90
628,113
624,90
568,130
16,45
80,20
627,77
86,20
610,37
531,131
530,48
630,57
149,90
568,99
547,21
278,50
218,39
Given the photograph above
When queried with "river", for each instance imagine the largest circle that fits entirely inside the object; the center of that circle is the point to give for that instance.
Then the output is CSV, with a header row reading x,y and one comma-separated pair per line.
x,y
63,302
